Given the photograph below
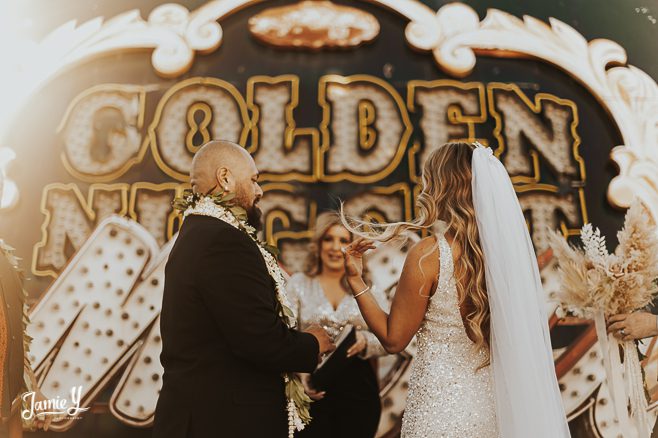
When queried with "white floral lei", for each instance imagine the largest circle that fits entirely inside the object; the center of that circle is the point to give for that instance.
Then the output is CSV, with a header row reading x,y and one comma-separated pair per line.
x,y
207,207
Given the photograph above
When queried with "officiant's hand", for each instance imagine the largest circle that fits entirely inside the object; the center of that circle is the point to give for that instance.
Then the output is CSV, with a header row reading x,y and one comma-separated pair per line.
x,y
308,388
354,257
359,345
629,326
325,342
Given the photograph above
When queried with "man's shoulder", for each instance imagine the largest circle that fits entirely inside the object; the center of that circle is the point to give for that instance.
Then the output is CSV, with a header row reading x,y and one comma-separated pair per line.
x,y
210,229
196,222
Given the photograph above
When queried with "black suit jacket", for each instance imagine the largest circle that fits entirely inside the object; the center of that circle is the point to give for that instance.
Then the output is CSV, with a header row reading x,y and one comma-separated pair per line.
x,y
224,346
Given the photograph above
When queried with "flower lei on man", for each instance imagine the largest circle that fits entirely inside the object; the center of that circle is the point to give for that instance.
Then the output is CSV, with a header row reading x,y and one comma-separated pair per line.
x,y
220,206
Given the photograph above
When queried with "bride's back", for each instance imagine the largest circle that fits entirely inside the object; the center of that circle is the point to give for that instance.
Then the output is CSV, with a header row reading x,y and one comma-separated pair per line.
x,y
451,391
445,205
447,198
447,369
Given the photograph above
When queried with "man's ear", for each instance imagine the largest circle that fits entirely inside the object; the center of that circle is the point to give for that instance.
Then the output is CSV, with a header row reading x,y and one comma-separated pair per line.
x,y
225,179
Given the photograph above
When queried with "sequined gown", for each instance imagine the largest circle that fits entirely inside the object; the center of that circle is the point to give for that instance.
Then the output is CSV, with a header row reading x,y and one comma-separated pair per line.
x,y
448,397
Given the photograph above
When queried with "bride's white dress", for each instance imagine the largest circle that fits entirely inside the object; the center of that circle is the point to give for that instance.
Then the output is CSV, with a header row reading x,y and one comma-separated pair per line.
x,y
448,396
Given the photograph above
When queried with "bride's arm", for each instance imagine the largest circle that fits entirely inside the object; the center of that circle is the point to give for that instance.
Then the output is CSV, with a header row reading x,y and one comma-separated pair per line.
x,y
417,281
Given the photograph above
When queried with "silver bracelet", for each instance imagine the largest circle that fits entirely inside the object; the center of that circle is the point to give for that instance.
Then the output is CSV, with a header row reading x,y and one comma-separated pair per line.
x,y
362,292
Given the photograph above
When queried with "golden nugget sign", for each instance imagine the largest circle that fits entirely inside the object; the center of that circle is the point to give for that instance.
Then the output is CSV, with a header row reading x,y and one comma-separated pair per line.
x,y
128,149
363,137
101,314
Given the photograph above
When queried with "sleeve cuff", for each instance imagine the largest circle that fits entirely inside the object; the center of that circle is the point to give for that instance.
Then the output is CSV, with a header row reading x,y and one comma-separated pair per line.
x,y
314,348
373,346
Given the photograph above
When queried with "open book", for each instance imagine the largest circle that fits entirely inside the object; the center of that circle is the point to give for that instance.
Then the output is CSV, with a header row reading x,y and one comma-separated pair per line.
x,y
336,361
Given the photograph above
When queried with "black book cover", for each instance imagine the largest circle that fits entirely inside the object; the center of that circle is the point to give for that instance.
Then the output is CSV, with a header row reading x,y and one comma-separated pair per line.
x,y
335,362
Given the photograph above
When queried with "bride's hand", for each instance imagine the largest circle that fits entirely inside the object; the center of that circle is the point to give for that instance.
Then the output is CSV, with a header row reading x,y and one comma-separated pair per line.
x,y
306,381
354,256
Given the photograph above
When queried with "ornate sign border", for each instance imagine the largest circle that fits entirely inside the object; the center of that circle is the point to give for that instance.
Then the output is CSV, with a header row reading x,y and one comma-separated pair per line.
x,y
454,35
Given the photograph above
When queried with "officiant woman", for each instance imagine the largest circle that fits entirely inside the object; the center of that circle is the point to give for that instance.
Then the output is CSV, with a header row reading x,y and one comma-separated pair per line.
x,y
350,406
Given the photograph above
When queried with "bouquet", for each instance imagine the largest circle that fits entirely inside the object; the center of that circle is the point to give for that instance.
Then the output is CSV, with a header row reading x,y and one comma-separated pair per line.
x,y
597,284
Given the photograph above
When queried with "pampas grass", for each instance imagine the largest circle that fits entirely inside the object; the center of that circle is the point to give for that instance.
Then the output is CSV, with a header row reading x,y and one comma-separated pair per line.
x,y
594,280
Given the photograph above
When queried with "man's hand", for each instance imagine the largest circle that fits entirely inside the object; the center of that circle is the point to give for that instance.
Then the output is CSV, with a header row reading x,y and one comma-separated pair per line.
x,y
629,326
325,342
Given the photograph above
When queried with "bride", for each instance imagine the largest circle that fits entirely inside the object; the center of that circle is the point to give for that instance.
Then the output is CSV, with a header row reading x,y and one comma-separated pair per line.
x,y
484,366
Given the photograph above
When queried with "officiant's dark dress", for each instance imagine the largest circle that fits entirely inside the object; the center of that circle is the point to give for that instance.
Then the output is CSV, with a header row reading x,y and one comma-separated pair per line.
x,y
351,407
224,345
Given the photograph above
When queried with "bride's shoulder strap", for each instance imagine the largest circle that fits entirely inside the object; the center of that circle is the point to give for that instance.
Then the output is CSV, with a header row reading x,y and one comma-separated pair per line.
x,y
445,251
445,259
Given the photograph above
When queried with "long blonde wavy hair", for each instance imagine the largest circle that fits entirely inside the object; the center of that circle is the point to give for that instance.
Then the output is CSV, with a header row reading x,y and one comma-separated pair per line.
x,y
447,196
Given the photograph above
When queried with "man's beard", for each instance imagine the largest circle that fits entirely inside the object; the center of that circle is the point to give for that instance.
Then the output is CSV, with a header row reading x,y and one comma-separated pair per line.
x,y
254,215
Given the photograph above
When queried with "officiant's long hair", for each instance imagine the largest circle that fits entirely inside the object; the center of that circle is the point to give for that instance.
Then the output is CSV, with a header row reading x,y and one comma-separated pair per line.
x,y
446,196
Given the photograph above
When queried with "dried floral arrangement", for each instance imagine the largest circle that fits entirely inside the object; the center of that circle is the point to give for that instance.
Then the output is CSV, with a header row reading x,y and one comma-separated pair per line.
x,y
596,284
594,280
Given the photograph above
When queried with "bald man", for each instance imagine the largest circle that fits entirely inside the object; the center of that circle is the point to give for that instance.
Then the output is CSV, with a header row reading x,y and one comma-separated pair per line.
x,y
224,346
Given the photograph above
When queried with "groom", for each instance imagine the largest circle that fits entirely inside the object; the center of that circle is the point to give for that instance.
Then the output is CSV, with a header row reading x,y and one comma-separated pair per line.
x,y
224,346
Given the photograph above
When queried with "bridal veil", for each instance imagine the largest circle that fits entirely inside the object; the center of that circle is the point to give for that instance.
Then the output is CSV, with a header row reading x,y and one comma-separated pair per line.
x,y
528,400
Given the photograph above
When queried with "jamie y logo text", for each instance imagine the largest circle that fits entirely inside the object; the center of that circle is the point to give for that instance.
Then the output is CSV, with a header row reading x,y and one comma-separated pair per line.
x,y
55,406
